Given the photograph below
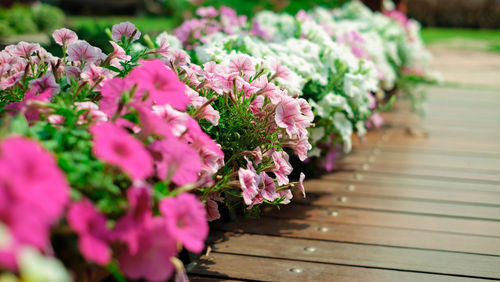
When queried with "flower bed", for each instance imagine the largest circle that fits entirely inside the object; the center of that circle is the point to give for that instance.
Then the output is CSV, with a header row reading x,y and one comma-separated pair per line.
x,y
114,163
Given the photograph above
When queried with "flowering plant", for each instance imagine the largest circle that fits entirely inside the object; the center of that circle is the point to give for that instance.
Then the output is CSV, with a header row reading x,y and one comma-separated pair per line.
x,y
126,154
338,60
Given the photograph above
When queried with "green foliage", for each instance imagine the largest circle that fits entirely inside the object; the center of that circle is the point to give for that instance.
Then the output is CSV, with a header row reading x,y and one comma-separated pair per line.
x,y
22,19
47,17
249,8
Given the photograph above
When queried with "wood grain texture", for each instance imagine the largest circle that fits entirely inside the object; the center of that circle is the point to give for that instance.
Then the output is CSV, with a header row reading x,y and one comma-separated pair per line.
x,y
417,200
266,269
358,255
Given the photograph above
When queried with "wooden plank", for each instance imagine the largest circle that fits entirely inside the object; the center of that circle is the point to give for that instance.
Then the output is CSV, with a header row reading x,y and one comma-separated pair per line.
x,y
365,234
317,189
380,179
470,265
266,269
424,159
390,219
346,200
476,176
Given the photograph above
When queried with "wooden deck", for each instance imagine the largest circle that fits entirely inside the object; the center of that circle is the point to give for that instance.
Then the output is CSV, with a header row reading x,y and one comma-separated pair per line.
x,y
406,205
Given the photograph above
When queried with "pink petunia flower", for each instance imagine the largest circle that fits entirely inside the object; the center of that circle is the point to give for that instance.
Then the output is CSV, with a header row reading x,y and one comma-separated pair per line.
x,y
185,219
287,196
268,190
118,52
117,147
301,184
64,36
151,261
176,160
209,12
125,29
176,120
82,51
282,167
93,234
161,84
92,74
287,113
249,181
46,82
242,64
280,70
212,210
92,113
25,49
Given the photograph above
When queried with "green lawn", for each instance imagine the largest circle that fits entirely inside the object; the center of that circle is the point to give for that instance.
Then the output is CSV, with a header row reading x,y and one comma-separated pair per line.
x,y
483,39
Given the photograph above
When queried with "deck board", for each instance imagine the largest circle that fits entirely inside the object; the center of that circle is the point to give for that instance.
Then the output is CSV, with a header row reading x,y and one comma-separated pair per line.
x,y
418,200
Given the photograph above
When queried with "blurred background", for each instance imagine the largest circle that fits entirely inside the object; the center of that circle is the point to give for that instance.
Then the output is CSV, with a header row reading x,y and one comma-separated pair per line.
x,y
463,26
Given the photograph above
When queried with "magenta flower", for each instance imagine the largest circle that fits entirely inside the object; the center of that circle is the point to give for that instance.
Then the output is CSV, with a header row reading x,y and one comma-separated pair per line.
x,y
111,92
176,160
185,219
139,217
64,36
117,147
125,29
92,231
211,155
82,51
33,193
152,259
160,83
151,123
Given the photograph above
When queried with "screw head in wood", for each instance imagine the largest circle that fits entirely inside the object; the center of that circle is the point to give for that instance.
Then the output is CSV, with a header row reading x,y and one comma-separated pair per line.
x,y
365,167
350,187
323,229
376,151
342,199
334,213
310,249
296,270
358,176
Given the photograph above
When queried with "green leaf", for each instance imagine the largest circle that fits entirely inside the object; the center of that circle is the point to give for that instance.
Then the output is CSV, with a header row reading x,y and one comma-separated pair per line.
x,y
113,269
